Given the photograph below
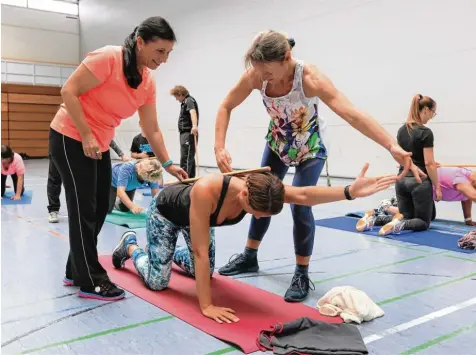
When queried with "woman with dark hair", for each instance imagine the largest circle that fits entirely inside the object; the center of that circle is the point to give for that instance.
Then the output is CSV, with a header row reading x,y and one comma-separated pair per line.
x,y
291,91
415,200
216,200
111,84
12,164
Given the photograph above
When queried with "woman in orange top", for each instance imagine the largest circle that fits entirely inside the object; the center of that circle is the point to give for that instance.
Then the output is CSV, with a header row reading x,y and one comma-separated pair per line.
x,y
111,84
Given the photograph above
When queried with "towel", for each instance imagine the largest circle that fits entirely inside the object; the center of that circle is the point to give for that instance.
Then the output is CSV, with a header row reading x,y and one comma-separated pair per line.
x,y
468,241
308,336
351,304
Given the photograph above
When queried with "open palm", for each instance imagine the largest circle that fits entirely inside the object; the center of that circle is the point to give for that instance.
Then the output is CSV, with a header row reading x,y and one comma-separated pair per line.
x,y
365,186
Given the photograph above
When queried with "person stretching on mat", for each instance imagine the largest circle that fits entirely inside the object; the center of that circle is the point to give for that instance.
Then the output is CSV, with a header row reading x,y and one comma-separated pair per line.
x,y
111,84
128,177
12,164
415,200
291,91
213,201
457,184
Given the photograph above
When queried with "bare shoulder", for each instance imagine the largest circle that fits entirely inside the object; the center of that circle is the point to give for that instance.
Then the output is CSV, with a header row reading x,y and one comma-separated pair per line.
x,y
315,83
252,78
208,186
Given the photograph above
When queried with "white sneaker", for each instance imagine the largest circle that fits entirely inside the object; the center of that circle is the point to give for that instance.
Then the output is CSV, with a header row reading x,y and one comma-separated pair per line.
x,y
366,222
394,227
53,217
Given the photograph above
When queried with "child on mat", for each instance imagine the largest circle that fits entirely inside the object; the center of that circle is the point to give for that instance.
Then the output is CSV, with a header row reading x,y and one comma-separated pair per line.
x,y
12,164
128,177
457,184
216,200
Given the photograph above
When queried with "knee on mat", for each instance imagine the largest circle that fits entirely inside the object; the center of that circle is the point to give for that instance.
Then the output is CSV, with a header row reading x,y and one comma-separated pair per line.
x,y
157,285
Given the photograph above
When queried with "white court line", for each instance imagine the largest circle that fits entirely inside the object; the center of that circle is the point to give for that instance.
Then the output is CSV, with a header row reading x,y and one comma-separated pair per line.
x,y
413,323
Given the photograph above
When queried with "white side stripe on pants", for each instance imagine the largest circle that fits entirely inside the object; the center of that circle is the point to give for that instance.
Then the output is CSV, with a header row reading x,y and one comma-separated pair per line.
x,y
79,214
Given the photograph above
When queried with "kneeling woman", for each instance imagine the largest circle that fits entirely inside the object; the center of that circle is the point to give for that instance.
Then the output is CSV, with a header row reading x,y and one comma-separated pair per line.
x,y
128,177
217,200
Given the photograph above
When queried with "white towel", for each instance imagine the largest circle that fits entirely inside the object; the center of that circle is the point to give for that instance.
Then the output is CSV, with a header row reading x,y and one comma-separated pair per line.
x,y
351,304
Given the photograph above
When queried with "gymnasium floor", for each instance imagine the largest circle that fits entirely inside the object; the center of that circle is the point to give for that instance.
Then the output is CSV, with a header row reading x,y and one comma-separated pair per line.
x,y
40,315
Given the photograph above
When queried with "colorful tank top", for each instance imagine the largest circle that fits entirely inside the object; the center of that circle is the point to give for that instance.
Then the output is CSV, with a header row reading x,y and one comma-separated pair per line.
x,y
293,132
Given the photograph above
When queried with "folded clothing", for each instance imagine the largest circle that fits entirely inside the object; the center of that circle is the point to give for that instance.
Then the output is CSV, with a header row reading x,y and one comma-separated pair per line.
x,y
308,336
468,241
351,304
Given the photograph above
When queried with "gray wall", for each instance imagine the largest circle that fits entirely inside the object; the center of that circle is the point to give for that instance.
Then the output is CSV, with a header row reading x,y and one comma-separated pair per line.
x,y
379,53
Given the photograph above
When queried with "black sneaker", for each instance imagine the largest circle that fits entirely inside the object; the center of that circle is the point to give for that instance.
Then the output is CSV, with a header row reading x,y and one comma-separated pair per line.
x,y
105,291
299,288
239,264
119,254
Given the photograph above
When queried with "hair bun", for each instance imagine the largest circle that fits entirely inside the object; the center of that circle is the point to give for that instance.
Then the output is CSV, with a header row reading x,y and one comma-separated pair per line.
x,y
291,42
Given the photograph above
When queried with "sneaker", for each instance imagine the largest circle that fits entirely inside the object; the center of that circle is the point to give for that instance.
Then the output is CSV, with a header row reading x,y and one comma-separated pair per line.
x,y
53,217
119,254
299,289
68,282
394,227
105,291
239,264
366,222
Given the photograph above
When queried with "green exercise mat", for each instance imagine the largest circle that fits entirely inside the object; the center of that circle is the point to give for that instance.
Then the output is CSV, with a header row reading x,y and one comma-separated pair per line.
x,y
127,219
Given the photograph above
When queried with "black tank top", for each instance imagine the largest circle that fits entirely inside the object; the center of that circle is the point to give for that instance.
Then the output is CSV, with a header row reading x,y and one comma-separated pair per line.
x,y
173,203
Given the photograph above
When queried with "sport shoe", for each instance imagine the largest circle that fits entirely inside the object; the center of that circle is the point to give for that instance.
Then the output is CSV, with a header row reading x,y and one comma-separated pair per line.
x,y
394,227
105,291
53,217
68,282
239,264
366,222
299,289
119,254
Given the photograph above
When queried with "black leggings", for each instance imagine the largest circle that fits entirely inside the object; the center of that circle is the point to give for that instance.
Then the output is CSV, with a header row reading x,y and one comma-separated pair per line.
x,y
87,184
415,202
120,206
15,182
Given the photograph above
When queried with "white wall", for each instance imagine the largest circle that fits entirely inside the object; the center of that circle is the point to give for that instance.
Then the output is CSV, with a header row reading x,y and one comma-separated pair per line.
x,y
379,53
39,36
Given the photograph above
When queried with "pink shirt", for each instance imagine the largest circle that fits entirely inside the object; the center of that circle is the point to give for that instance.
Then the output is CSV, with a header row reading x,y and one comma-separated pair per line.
x,y
449,178
111,101
16,166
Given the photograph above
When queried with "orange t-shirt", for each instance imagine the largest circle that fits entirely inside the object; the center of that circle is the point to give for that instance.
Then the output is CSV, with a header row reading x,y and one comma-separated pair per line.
x,y
109,102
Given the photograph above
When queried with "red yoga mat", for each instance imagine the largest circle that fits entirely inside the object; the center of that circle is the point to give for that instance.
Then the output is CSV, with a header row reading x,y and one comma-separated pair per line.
x,y
257,309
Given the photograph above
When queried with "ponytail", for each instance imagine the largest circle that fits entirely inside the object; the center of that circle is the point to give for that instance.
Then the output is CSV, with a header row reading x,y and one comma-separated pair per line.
x,y
414,114
131,72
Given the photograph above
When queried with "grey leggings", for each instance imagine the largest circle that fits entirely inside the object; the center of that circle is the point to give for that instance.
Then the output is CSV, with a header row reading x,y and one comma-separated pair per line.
x,y
415,202
119,205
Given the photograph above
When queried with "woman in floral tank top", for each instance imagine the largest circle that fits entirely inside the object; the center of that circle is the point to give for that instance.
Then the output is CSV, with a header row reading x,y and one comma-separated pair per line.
x,y
291,91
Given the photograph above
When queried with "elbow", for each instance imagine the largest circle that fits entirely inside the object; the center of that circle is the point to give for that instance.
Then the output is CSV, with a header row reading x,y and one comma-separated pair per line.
x,y
66,92
430,164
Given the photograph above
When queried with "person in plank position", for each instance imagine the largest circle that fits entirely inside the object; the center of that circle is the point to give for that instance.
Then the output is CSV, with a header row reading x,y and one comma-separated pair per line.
x,y
217,200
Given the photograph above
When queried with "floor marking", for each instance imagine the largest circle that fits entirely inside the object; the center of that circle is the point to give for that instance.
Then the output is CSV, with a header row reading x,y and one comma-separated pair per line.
x,y
377,267
421,290
98,334
418,321
435,341
222,351
460,258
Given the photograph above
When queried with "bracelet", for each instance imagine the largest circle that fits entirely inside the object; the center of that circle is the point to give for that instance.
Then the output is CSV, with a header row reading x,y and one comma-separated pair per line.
x,y
167,163
347,193
469,219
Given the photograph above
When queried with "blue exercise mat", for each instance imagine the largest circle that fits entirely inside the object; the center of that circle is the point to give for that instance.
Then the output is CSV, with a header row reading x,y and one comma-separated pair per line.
x,y
147,193
25,199
431,238
437,224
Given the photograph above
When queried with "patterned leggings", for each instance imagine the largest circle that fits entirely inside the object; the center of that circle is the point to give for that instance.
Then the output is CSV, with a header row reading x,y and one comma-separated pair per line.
x,y
155,266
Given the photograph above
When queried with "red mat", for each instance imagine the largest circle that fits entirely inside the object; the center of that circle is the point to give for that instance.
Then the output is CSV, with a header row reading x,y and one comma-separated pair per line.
x,y
257,309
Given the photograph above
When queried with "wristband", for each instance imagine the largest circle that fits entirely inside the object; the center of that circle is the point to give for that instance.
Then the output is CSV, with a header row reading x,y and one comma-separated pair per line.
x,y
167,163
469,219
347,193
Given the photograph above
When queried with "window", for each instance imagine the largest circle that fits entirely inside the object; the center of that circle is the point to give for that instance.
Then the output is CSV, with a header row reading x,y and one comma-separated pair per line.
x,y
21,3
64,7
54,6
